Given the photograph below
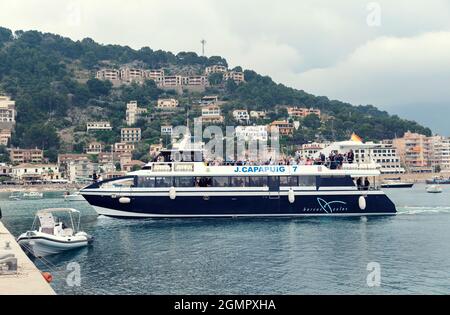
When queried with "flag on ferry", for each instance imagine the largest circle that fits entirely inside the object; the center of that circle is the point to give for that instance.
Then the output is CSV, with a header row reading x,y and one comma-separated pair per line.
x,y
356,138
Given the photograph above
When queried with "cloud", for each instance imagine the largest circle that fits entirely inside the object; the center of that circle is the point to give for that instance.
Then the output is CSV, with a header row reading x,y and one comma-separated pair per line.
x,y
387,71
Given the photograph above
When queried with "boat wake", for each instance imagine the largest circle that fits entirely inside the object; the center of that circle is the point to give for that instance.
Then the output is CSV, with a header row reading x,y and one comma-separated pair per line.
x,y
408,210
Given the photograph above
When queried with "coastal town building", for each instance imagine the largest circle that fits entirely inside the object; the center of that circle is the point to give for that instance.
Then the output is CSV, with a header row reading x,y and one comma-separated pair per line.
x,y
215,69
198,80
132,165
211,114
251,133
5,171
155,75
18,156
414,152
236,76
166,130
5,136
7,112
65,159
134,113
255,114
241,115
155,149
310,150
94,148
300,112
130,135
130,75
123,147
36,172
285,128
209,100
167,103
385,154
98,125
172,81
112,75
81,170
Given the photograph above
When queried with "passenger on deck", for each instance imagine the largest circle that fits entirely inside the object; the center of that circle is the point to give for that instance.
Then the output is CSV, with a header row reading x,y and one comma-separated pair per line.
x,y
350,157
366,184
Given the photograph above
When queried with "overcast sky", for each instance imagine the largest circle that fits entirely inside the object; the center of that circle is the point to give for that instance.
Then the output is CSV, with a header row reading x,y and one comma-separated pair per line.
x,y
393,54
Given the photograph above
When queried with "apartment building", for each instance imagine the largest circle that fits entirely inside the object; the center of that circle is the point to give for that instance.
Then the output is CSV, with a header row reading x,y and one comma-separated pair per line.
x,y
172,81
130,135
98,125
130,75
197,80
285,128
167,103
155,75
108,74
258,114
123,147
386,155
414,152
65,159
7,112
5,136
439,148
300,112
18,156
166,130
94,148
215,69
241,115
134,113
310,150
81,171
209,99
211,114
36,172
251,133
237,77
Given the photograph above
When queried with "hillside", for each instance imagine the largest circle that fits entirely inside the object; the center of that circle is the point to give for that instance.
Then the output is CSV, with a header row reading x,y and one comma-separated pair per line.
x,y
51,78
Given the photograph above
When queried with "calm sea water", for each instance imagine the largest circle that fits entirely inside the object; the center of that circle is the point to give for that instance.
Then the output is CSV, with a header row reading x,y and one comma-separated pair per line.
x,y
255,256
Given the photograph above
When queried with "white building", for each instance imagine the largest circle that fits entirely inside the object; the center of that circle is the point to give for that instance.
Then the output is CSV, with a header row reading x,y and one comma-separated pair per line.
x,y
7,112
167,103
130,75
130,135
94,148
252,133
98,125
36,172
211,114
108,74
241,115
166,130
81,170
215,69
133,113
309,150
385,155
237,77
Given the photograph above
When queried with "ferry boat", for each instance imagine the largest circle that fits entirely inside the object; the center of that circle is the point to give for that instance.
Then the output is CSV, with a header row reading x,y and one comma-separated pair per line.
x,y
191,188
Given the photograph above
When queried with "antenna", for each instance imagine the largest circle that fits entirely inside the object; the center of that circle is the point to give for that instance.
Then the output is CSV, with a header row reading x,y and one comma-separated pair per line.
x,y
203,42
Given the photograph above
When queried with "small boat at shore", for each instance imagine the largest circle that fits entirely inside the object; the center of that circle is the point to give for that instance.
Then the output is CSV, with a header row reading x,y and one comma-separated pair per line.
x,y
51,235
33,195
434,189
15,196
76,196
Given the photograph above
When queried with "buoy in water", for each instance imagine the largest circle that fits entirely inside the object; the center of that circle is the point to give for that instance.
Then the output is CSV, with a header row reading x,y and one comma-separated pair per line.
x,y
291,196
47,276
362,203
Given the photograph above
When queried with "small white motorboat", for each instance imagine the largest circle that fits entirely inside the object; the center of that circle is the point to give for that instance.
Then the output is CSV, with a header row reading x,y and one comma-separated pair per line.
x,y
33,195
53,236
76,196
434,189
15,196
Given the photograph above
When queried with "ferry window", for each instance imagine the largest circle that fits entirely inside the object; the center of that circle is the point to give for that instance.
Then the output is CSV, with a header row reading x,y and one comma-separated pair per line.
x,y
163,182
204,182
184,181
221,181
240,182
288,181
258,181
307,181
333,181
145,181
